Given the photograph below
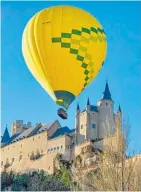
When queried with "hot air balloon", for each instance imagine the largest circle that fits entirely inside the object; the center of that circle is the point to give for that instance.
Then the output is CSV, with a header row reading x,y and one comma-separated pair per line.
x,y
64,48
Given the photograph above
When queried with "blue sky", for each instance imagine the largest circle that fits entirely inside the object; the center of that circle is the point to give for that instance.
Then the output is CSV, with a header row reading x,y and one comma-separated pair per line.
x,y
23,98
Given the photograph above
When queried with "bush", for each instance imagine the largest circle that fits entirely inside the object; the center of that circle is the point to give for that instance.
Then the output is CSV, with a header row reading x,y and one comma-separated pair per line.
x,y
34,182
6,179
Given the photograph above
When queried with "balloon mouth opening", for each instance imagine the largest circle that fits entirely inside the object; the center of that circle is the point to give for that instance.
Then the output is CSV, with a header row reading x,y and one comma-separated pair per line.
x,y
64,98
62,103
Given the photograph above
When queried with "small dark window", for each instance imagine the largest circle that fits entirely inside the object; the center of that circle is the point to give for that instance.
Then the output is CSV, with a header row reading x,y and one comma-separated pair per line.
x,y
81,126
54,148
20,157
2,163
33,138
57,148
93,125
21,145
51,149
61,146
106,104
48,150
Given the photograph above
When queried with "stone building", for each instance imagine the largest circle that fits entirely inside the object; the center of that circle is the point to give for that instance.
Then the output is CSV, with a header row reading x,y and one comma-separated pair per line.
x,y
35,147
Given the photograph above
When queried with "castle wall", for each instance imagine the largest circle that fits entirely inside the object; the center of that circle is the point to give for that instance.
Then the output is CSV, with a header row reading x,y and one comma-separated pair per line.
x,y
19,152
22,150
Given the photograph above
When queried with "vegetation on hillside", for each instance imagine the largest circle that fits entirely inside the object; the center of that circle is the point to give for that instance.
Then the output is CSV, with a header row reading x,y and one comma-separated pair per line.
x,y
33,182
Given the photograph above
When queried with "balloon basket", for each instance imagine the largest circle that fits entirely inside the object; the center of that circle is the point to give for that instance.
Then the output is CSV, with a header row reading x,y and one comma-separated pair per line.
x,y
62,113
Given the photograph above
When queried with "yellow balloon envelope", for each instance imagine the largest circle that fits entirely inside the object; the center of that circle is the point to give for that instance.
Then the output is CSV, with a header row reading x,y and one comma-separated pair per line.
x,y
64,48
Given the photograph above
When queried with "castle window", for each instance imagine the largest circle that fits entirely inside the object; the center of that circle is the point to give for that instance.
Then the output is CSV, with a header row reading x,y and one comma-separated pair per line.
x,y
51,149
93,125
20,157
2,163
61,146
106,104
48,150
81,126
54,148
57,148
33,138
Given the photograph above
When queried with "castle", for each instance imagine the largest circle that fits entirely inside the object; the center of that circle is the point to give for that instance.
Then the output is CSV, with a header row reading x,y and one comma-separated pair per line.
x,y
35,147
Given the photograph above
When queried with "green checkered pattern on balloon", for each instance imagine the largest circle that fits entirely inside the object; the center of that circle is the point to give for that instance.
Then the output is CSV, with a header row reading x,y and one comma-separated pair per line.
x,y
72,42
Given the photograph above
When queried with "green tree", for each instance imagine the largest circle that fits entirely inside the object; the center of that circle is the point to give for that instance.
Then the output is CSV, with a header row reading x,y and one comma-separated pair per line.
x,y
6,179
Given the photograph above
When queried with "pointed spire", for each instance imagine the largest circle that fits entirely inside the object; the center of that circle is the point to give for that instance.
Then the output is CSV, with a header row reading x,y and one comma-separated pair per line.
x,y
5,137
106,93
78,108
88,101
119,109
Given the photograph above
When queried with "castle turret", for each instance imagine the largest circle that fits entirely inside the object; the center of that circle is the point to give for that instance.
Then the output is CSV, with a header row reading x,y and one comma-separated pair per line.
x,y
88,120
77,123
17,126
106,117
88,102
119,118
6,136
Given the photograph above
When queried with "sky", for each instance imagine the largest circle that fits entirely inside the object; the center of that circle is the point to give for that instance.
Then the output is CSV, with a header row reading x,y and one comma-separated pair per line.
x,y
24,99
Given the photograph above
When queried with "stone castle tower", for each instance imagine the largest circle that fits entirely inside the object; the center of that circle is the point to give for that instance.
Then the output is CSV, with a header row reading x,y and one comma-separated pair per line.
x,y
96,122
